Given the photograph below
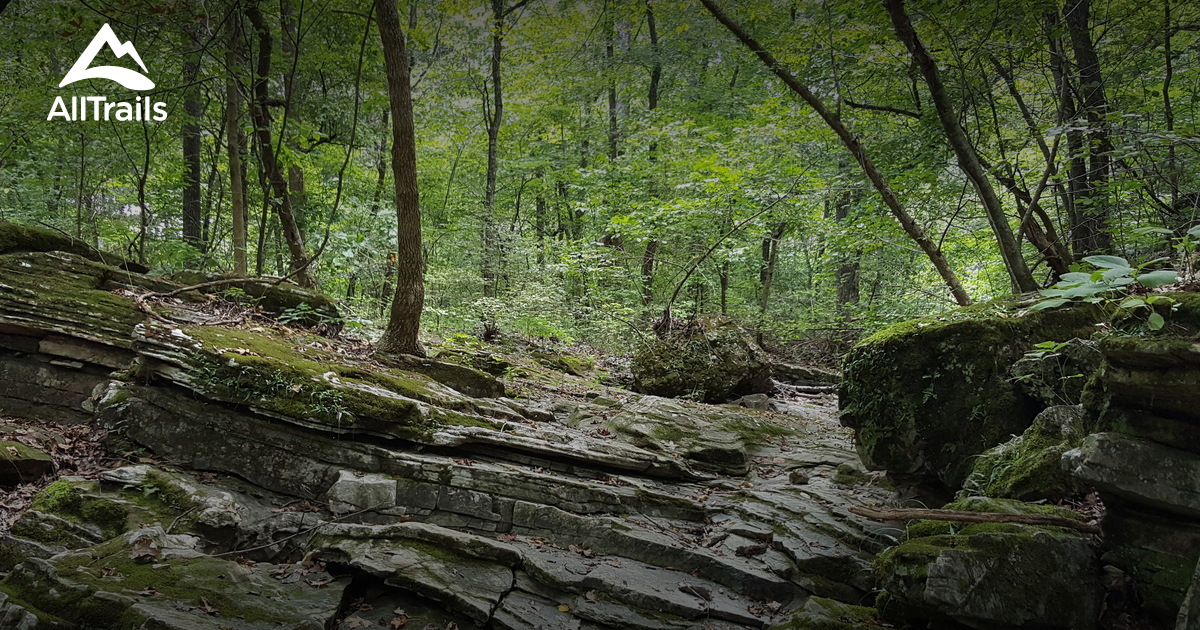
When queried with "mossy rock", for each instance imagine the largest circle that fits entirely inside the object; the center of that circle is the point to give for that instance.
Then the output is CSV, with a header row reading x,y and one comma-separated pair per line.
x,y
1029,466
926,396
710,360
22,464
113,586
991,575
821,613
17,238
564,362
67,293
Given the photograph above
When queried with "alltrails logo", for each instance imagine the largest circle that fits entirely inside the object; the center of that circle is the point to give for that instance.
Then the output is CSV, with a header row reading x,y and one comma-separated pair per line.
x,y
100,109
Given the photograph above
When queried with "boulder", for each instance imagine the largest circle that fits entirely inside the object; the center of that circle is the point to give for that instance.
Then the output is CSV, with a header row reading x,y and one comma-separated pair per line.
x,y
16,238
22,464
926,396
710,360
1028,467
1138,471
992,576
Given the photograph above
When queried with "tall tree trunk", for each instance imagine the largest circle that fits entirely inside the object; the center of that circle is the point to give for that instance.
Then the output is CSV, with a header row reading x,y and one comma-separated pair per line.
x,y
651,251
846,273
235,145
766,271
289,43
968,160
910,226
1094,105
262,127
494,117
404,322
193,110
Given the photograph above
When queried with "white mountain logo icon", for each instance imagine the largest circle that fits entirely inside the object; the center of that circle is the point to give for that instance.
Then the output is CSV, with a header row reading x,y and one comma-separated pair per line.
x,y
131,79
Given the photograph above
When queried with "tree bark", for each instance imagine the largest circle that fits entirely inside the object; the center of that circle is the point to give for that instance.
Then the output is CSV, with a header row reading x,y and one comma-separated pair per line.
x,y
968,160
193,110
910,226
234,145
651,251
494,118
404,322
278,189
1095,159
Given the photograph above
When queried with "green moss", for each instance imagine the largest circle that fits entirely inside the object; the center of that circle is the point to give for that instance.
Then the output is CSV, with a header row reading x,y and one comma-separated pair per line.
x,y
822,613
60,497
195,582
23,452
82,504
72,291
757,431
936,390
1026,467
848,475
292,379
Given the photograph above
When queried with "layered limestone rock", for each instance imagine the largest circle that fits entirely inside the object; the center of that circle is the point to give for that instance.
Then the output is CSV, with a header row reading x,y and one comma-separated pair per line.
x,y
338,490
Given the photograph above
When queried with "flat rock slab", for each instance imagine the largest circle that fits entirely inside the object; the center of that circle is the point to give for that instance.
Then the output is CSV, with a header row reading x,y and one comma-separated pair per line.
x,y
1139,471
22,464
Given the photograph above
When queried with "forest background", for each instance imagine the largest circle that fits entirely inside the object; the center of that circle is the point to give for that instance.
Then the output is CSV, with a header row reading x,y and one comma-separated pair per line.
x,y
814,169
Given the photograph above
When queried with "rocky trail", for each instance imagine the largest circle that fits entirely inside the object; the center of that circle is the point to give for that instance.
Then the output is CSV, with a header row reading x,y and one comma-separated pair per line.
x,y
178,460
288,481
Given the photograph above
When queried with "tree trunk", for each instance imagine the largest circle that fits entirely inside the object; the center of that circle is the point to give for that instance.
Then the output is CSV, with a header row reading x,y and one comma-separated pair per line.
x,y
846,274
404,322
1097,153
648,256
262,127
494,117
193,110
766,270
910,226
968,160
234,144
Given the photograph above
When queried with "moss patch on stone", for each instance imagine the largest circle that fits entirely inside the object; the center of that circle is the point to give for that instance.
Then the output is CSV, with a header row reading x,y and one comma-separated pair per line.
x,y
927,395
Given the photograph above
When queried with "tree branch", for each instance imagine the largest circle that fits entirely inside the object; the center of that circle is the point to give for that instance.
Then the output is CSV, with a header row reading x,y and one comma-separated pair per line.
x,y
883,108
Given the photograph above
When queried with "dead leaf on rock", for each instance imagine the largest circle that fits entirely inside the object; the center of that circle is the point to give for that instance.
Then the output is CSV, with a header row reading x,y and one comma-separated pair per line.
x,y
208,608
357,622
398,621
564,608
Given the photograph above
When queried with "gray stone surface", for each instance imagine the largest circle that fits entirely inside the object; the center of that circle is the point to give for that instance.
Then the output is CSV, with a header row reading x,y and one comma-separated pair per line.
x,y
1139,471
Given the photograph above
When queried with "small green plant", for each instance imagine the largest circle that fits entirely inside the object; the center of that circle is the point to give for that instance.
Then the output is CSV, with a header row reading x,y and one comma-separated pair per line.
x,y
1045,349
1109,282
239,295
304,314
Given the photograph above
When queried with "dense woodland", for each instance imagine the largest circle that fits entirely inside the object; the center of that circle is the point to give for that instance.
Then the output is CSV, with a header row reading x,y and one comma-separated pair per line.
x,y
811,168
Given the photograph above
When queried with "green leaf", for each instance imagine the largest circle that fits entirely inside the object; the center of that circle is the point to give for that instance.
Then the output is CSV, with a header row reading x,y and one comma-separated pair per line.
x,y
1075,277
1045,304
1157,278
1133,302
1194,232
1116,272
1107,262
1156,321
1152,230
